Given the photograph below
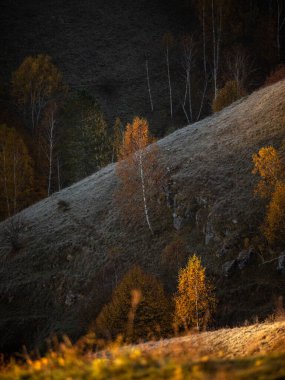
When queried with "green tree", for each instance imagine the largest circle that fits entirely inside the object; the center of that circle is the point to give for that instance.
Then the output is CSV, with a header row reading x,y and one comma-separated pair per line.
x,y
16,172
195,300
117,139
138,309
34,83
85,144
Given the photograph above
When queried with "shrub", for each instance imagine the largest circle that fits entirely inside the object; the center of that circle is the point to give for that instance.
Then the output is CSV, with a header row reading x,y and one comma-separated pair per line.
x,y
276,75
227,95
138,309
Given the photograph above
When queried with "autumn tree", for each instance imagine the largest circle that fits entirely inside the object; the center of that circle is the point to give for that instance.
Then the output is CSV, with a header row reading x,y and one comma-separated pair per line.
x,y
138,309
16,172
230,93
34,83
271,186
195,300
268,165
140,174
274,223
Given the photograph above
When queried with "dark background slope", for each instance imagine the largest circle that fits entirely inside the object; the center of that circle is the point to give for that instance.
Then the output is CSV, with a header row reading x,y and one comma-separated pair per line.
x,y
100,46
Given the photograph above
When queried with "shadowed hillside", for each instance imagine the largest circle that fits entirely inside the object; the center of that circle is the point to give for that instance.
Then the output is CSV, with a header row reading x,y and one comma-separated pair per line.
x,y
56,281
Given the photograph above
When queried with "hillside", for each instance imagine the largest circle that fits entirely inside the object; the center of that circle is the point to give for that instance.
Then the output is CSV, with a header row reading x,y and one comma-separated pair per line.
x,y
57,280
253,352
239,342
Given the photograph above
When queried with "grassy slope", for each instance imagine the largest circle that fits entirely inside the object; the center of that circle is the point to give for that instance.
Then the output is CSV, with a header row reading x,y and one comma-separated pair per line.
x,y
55,282
254,352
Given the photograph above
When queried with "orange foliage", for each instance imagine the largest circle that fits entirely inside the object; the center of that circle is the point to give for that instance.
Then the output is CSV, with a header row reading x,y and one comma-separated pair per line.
x,y
268,165
140,175
274,225
16,172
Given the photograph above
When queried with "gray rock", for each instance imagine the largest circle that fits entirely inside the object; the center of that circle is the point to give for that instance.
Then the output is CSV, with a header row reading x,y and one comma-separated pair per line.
x,y
281,264
229,268
178,222
246,257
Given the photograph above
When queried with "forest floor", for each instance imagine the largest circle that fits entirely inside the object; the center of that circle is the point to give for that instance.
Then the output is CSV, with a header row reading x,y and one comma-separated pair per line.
x,y
250,352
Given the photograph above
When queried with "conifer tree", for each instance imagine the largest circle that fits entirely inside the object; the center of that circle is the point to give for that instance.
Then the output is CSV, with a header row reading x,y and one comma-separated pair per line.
x,y
138,309
117,139
195,298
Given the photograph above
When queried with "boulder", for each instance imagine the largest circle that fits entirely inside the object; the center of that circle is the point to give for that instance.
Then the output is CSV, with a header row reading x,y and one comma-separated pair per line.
x,y
281,264
229,268
246,257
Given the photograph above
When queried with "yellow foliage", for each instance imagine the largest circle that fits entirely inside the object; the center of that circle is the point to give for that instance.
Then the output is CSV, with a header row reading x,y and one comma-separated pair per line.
x,y
227,95
274,225
268,165
136,137
195,299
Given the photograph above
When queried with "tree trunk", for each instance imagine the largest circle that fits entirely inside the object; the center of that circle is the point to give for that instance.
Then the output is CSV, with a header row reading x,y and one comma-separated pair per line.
x,y
148,85
169,80
143,191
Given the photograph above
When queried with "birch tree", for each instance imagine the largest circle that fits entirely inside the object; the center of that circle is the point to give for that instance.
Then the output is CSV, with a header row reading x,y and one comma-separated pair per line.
x,y
195,297
148,81
168,42
34,83
49,144
140,175
280,24
216,40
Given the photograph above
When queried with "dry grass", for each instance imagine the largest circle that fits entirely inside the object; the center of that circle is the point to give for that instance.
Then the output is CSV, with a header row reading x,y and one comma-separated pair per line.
x,y
240,342
178,360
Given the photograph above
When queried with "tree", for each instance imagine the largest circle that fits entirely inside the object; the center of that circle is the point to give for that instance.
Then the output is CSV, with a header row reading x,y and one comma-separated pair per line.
x,y
117,139
230,93
85,144
140,174
280,24
148,81
34,83
16,172
49,141
239,67
188,48
195,297
274,223
168,42
138,309
267,164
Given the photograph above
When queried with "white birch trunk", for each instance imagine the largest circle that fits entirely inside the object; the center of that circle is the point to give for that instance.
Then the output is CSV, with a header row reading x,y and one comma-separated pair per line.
x,y
148,85
169,80
141,170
